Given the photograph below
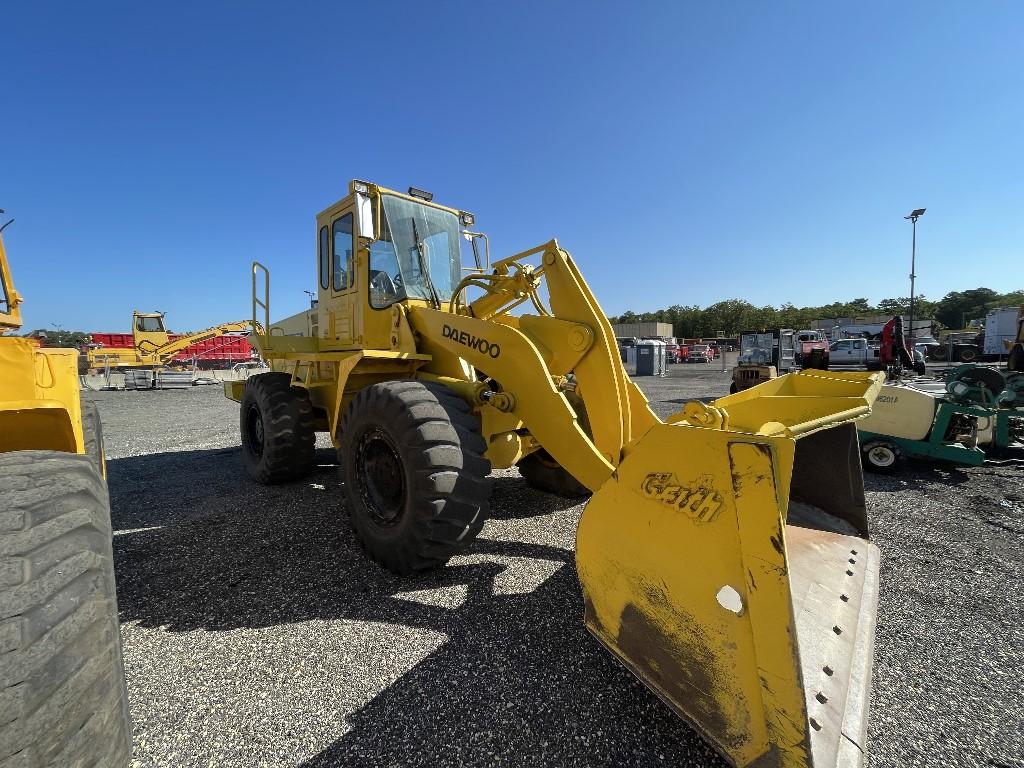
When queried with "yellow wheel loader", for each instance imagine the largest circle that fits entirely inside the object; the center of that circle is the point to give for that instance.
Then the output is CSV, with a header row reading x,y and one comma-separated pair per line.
x,y
62,689
724,555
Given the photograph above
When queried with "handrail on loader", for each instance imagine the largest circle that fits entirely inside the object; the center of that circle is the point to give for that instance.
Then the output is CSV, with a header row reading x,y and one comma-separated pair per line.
x,y
265,304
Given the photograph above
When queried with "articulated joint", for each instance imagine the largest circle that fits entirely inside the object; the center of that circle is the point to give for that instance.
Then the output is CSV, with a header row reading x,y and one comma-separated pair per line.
x,y
503,401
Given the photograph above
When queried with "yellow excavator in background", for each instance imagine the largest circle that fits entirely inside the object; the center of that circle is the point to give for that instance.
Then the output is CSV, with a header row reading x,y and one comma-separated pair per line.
x,y
724,555
153,347
62,687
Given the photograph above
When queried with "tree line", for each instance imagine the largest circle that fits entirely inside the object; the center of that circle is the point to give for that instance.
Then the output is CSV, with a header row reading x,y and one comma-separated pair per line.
x,y
731,316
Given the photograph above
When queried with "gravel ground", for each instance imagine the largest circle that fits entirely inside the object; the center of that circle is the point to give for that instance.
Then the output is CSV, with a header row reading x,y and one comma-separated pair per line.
x,y
256,633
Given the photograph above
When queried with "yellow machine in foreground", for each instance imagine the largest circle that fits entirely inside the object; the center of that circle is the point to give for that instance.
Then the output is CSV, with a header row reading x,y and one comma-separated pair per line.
x,y
152,345
62,690
723,556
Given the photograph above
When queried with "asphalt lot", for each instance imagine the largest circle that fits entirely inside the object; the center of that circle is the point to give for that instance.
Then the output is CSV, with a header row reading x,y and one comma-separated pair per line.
x,y
256,633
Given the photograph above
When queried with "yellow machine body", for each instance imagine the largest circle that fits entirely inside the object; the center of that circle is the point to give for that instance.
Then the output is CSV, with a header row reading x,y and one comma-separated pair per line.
x,y
750,616
152,345
39,397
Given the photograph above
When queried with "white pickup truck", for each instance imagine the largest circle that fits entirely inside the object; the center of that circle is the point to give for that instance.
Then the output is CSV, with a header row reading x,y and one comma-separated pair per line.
x,y
861,352
854,352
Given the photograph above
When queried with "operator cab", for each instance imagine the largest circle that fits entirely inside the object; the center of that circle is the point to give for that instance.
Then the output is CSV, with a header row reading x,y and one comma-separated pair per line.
x,y
414,246
377,248
148,331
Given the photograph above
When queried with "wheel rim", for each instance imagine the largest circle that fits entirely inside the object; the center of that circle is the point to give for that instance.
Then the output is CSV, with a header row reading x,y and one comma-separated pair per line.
x,y
882,456
379,478
254,430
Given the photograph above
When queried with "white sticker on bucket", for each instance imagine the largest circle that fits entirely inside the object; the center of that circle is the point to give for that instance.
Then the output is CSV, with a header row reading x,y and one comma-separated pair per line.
x,y
730,599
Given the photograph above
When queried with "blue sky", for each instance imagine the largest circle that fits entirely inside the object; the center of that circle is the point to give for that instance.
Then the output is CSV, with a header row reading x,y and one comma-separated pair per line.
x,y
684,153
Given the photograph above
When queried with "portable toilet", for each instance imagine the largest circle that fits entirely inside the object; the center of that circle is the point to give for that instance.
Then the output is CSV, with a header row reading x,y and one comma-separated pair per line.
x,y
628,354
650,357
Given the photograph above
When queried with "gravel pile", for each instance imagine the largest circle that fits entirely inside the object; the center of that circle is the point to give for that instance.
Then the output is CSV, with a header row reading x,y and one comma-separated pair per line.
x,y
256,633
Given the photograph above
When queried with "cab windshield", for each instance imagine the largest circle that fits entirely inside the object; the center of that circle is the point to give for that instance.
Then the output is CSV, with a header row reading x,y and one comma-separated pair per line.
x,y
417,255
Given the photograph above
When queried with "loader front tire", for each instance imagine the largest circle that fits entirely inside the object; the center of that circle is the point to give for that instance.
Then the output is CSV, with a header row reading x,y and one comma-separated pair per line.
x,y
542,472
278,432
416,485
62,687
882,456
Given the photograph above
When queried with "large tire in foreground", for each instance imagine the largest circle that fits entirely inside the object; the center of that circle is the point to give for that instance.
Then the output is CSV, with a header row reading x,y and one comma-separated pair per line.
x,y
412,460
92,431
542,472
62,690
278,429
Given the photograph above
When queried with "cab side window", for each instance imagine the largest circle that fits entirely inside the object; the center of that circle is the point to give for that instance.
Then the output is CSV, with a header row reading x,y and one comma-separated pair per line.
x,y
342,249
325,258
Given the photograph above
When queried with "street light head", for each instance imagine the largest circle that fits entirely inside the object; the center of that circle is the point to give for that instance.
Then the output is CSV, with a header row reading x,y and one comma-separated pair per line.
x,y
915,213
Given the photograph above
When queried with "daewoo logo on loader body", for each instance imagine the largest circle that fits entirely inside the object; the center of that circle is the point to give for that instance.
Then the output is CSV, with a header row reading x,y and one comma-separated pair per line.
x,y
698,500
479,343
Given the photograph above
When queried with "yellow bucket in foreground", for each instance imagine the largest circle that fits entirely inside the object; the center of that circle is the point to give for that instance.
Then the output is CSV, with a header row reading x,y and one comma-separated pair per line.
x,y
727,565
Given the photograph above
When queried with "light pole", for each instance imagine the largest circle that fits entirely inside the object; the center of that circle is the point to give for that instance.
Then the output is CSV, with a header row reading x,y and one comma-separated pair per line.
x,y
914,216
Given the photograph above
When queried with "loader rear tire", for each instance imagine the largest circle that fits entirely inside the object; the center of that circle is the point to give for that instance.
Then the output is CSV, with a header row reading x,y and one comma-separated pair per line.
x,y
542,472
882,456
278,429
62,693
416,485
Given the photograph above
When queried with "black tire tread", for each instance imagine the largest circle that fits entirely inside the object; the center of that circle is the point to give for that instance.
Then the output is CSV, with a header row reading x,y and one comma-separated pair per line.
x,y
443,455
542,472
289,428
62,690
539,471
92,432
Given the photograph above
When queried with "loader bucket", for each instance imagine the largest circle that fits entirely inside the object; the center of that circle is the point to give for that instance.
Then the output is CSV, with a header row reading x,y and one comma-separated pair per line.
x,y
751,616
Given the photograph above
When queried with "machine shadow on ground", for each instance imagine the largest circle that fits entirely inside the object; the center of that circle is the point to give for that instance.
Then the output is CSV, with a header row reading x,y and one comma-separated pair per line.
x,y
518,680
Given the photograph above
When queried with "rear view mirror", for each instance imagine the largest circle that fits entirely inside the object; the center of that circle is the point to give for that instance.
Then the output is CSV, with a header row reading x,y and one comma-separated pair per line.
x,y
364,217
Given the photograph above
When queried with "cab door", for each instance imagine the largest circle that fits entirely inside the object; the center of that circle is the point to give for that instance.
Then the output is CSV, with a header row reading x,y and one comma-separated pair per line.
x,y
338,308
